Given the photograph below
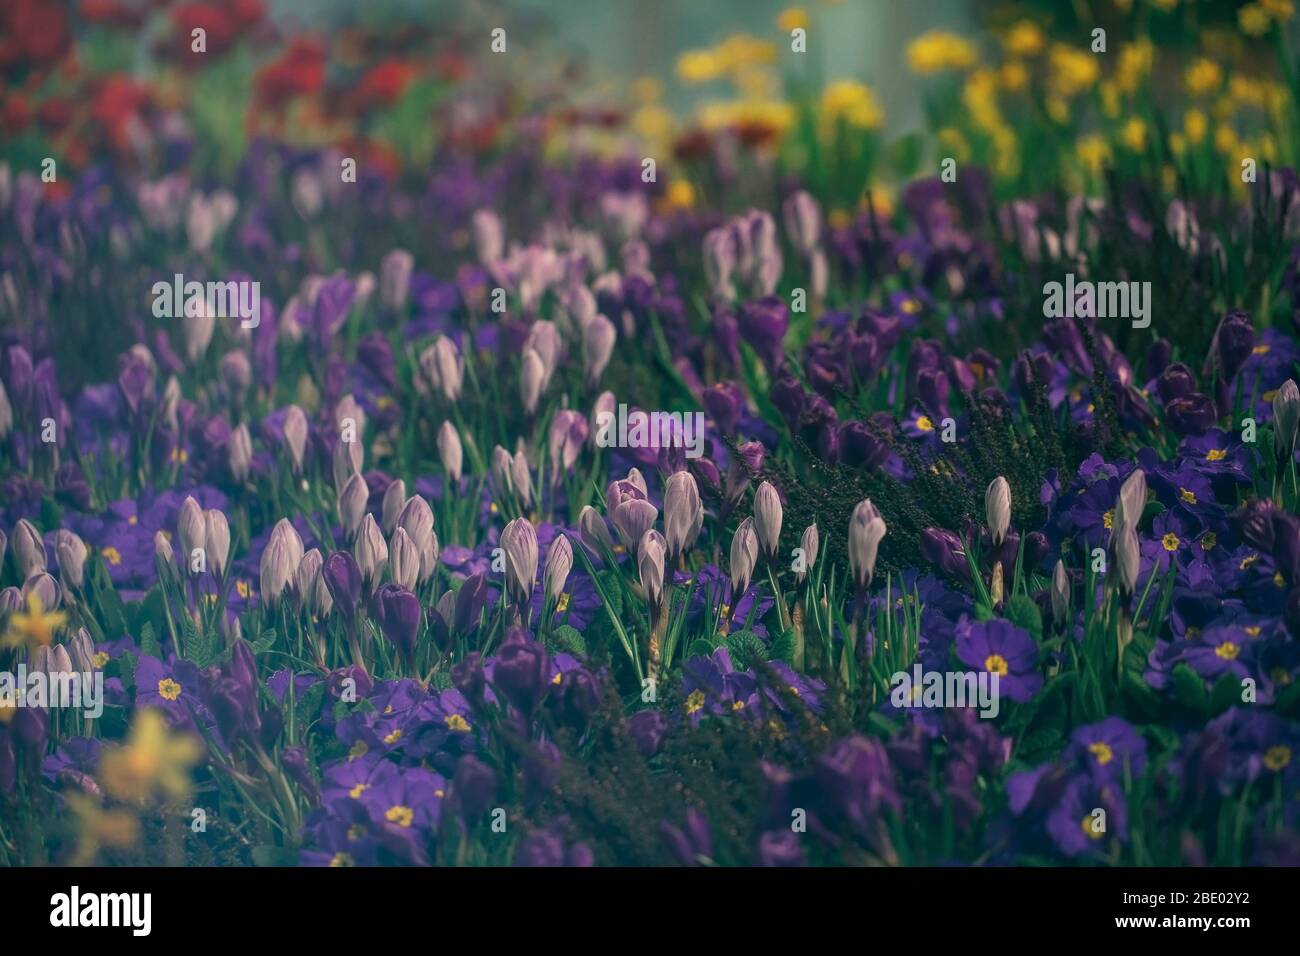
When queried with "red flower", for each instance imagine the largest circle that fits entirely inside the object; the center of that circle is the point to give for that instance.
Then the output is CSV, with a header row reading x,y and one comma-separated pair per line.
x,y
118,100
382,85
55,113
33,33
15,114
217,22
300,71
111,12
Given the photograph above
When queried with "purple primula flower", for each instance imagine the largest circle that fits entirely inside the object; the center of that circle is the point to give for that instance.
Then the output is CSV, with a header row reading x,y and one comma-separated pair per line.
x,y
1001,648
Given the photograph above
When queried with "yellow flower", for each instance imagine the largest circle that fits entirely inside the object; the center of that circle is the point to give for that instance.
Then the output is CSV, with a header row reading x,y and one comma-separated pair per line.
x,y
680,195
939,50
653,122
1253,20
1024,39
699,66
1072,71
100,828
979,94
1014,76
1134,135
853,102
792,18
1247,91
1093,153
1225,139
1203,76
1195,126
741,50
152,759
34,627
1278,9
952,143
1135,61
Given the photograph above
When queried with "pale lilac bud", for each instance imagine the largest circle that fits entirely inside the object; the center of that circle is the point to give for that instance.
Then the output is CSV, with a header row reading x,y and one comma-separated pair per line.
x,y
594,530
46,589
295,435
236,373
162,548
683,512
29,548
81,651
602,411
239,453
303,584
216,540
651,555
521,479
416,518
352,505
429,553
719,262
489,236
451,453
1132,501
197,330
803,221
6,414
810,544
394,502
371,552
565,438
191,530
443,368
1128,558
751,457
597,347
404,560
519,541
71,553
503,470
559,562
744,556
532,379
395,279
1286,419
277,568
768,515
629,511
347,462
1060,592
544,339
997,509
285,530
866,530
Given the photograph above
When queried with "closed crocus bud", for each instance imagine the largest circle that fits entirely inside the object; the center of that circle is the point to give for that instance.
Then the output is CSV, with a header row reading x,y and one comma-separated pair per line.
x,y
802,221
394,501
768,515
398,612
276,569
70,551
565,438
997,509
11,599
519,541
81,649
416,518
866,530
6,414
451,453
594,530
1286,419
347,461
342,578
395,279
239,453
4,546
810,544
303,585
651,554
749,458
719,262
1233,342
597,347
45,588
1060,593
683,512
1192,414
521,478
216,540
236,373
29,548
197,330
532,379
295,436
429,552
1132,500
744,555
443,368
162,549
559,562
503,470
352,505
404,560
1128,558
191,529
285,530
602,411
489,236
371,552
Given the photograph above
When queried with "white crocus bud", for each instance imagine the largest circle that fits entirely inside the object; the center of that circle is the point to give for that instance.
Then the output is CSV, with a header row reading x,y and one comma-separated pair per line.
x,y
866,530
997,509
394,502
404,560
451,453
217,541
559,562
768,515
352,505
744,556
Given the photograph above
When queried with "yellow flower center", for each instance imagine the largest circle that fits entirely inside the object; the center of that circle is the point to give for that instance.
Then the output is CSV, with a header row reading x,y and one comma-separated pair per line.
x,y
394,737
695,702
1216,454
356,831
244,589
133,520
1261,349
168,689
100,659
738,705
457,723
1089,828
997,664
1277,757
1102,752
1227,651
342,859
1170,541
924,424
358,749
562,603
402,816
1247,561
1108,519
1188,497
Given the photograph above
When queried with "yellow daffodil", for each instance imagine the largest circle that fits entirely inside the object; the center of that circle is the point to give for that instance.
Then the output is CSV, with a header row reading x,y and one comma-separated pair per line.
x,y
34,627
1203,76
699,66
1093,153
100,828
152,759
1253,20
1133,134
1072,71
939,50
792,18
1024,39
853,102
